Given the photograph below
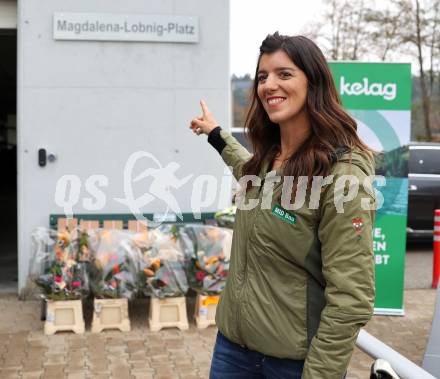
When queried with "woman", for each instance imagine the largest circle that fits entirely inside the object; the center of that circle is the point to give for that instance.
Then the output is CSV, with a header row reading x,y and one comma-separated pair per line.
x,y
301,282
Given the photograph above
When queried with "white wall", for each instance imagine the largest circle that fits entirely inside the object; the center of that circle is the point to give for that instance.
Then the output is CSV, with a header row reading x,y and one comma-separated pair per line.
x,y
95,103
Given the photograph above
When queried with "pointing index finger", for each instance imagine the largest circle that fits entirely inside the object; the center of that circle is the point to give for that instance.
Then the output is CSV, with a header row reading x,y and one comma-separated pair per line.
x,y
204,107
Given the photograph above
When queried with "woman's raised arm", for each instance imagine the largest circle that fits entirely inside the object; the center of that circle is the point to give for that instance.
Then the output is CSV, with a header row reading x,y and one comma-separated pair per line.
x,y
233,153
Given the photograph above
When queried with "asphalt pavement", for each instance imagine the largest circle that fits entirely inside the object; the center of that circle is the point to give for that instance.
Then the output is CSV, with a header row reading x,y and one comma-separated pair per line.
x,y
418,265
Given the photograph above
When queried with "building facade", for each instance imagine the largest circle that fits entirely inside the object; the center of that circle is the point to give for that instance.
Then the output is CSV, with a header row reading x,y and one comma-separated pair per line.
x,y
105,91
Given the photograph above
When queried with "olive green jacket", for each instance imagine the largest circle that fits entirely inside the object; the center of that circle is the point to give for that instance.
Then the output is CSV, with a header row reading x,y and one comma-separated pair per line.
x,y
301,283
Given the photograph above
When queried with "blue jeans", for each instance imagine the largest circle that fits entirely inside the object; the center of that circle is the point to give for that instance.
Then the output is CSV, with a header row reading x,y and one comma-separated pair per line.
x,y
233,361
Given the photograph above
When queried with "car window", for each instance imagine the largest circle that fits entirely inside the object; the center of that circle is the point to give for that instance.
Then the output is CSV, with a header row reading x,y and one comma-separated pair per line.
x,y
424,161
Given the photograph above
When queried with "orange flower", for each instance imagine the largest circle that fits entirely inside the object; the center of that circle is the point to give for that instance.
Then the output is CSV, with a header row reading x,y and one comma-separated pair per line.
x,y
59,254
116,269
156,264
148,272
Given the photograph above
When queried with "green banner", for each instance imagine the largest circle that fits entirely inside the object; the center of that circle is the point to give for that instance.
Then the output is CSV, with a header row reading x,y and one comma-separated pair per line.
x,y
378,96
376,86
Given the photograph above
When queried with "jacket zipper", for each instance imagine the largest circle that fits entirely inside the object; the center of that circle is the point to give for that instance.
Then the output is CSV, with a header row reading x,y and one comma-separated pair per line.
x,y
242,291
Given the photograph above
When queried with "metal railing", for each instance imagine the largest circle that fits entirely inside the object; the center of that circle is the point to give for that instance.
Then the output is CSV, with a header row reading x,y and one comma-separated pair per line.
x,y
403,366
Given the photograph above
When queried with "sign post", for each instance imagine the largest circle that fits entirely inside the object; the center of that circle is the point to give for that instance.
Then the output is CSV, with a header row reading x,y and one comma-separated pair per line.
x,y
378,96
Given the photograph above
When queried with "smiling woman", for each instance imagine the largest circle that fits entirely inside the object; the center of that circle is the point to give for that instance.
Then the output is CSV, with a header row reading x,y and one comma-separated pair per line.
x,y
301,279
310,124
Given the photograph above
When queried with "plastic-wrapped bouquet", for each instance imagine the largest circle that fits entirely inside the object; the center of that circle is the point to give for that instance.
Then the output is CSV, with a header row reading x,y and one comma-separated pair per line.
x,y
55,267
226,217
161,267
84,251
208,250
113,265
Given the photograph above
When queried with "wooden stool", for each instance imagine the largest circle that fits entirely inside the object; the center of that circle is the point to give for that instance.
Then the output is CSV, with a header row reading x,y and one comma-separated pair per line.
x,y
167,313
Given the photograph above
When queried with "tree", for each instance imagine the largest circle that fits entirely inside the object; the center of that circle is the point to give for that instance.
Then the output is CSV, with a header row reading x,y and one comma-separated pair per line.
x,y
419,23
434,44
386,26
343,29
359,30
422,34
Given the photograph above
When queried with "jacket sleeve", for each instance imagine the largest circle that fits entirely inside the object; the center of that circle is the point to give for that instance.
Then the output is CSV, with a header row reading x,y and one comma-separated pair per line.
x,y
233,153
348,268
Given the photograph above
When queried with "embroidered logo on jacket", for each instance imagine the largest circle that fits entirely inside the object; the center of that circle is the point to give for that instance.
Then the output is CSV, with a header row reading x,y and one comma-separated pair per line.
x,y
358,224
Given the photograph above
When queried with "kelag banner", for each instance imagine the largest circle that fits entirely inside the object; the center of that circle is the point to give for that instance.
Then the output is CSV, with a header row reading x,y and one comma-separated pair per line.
x,y
378,96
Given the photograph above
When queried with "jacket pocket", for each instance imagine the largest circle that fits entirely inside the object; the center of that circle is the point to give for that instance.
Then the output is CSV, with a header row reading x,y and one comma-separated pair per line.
x,y
274,311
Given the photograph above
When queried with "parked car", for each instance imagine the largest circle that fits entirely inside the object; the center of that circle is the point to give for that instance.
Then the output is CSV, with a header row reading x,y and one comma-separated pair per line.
x,y
424,188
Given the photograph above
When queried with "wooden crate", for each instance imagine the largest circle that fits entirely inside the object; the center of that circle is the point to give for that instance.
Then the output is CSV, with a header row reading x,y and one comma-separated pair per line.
x,y
137,226
110,314
88,224
206,307
113,224
64,224
64,315
168,313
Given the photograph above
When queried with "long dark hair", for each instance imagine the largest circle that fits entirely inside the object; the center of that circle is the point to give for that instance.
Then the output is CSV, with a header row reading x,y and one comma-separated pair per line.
x,y
331,126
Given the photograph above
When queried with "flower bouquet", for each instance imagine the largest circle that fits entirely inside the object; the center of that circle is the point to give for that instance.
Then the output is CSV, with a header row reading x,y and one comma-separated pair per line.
x,y
112,277
55,267
113,265
161,266
226,217
84,252
208,250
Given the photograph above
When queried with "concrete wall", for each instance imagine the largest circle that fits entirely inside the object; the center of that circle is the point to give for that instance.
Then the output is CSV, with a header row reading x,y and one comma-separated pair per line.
x,y
93,104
